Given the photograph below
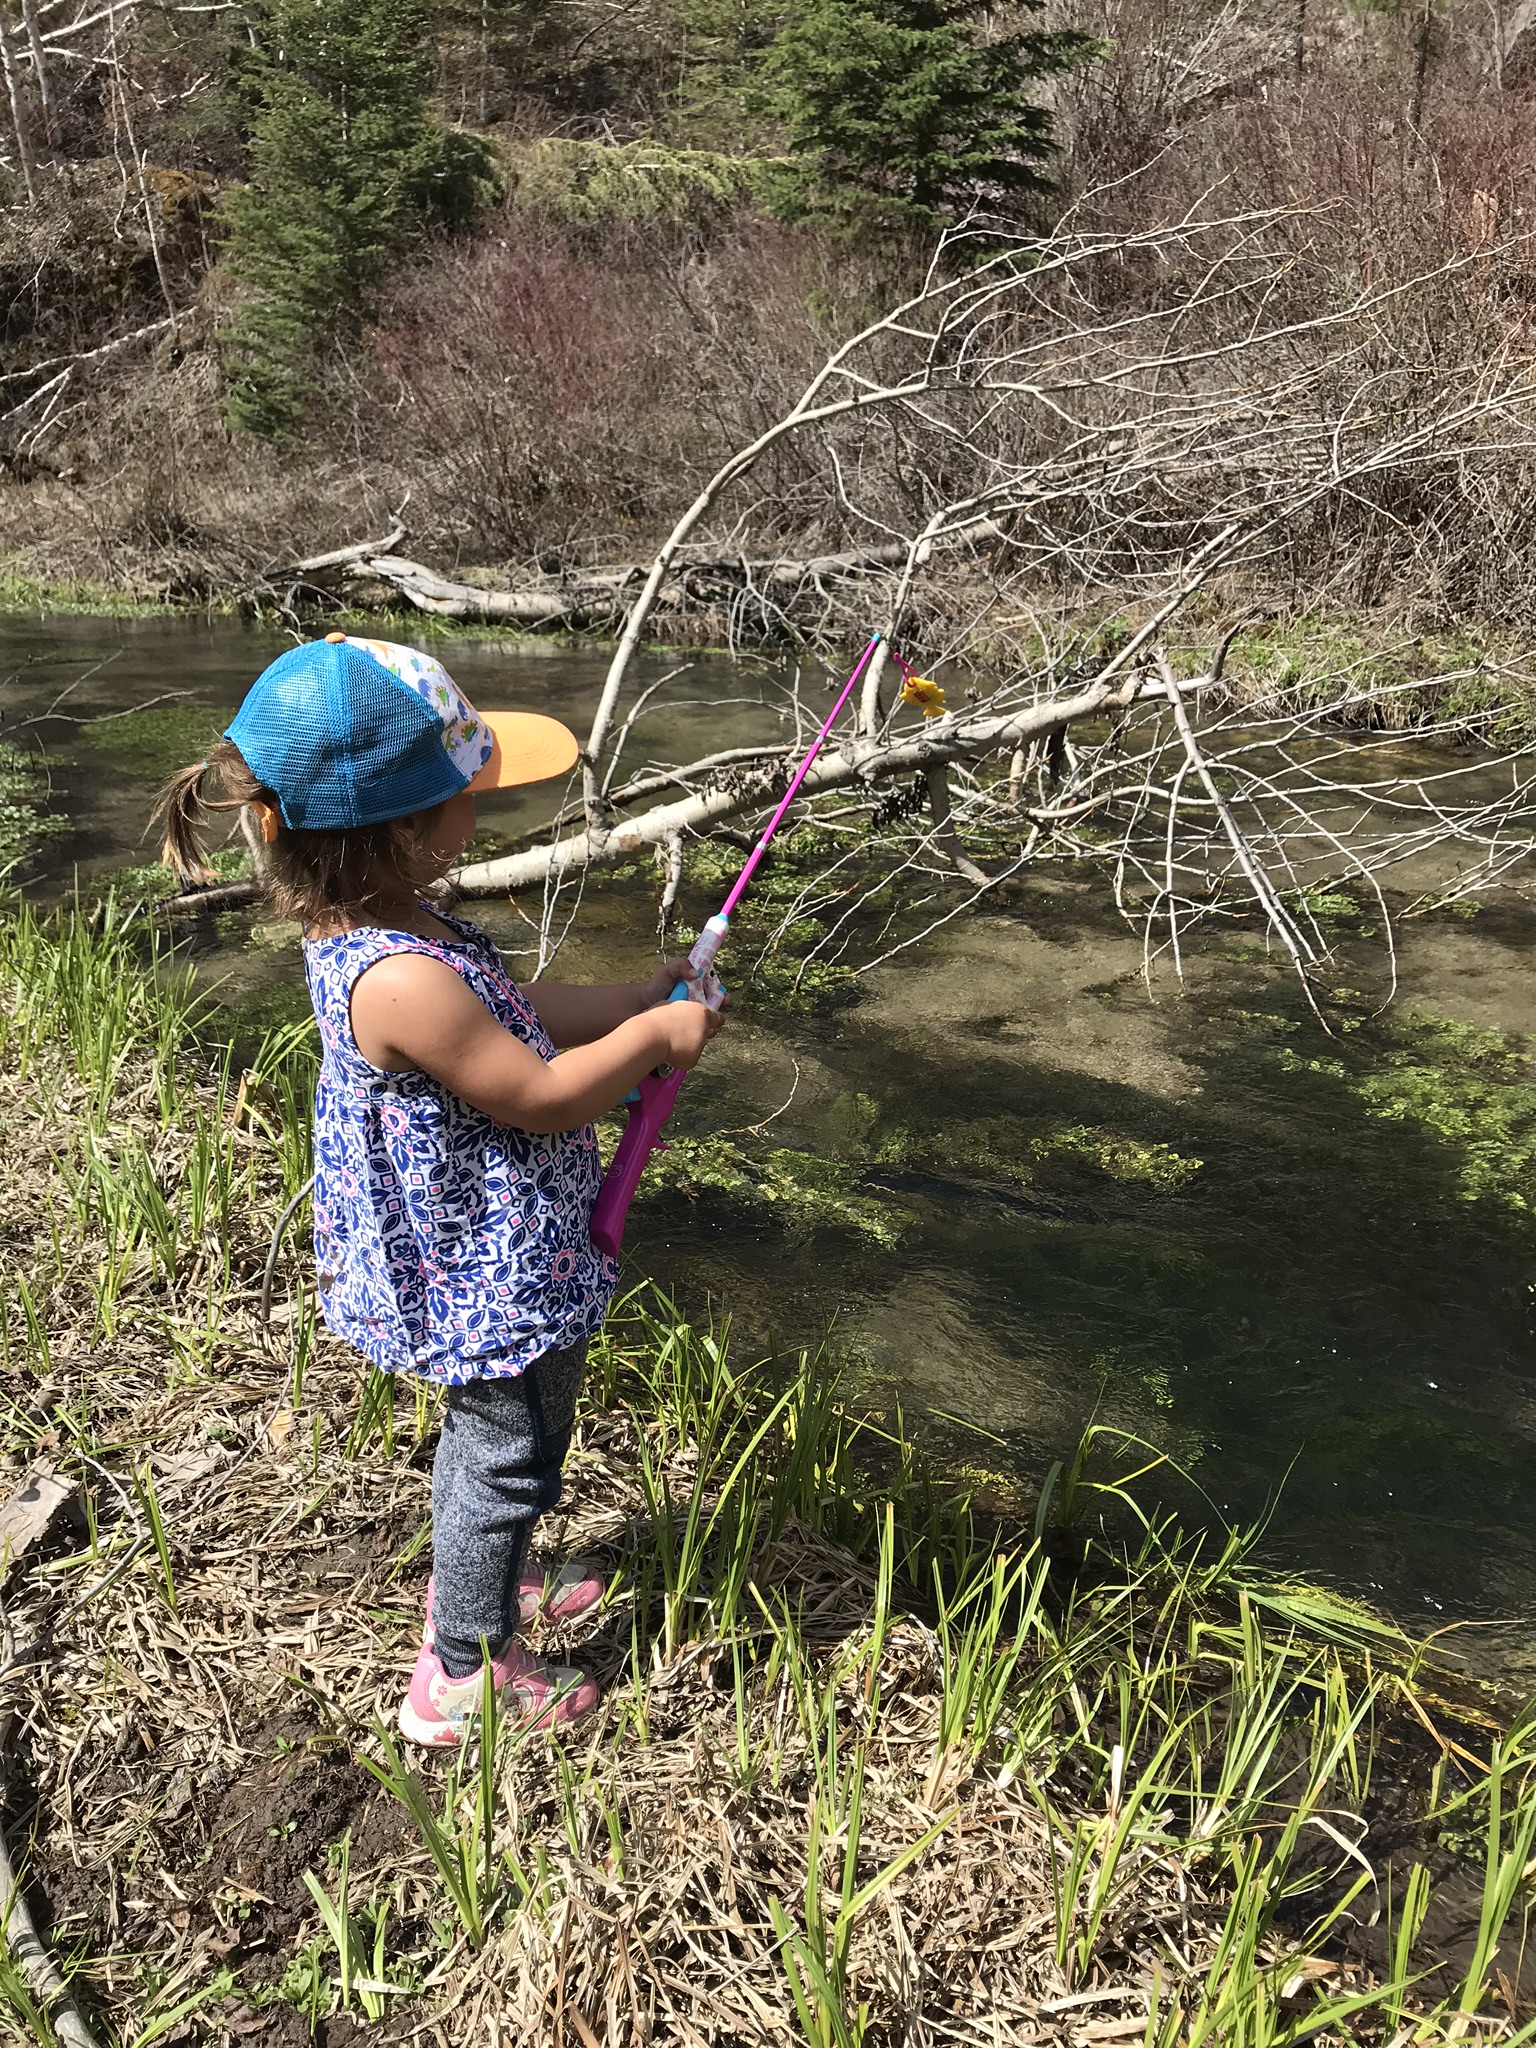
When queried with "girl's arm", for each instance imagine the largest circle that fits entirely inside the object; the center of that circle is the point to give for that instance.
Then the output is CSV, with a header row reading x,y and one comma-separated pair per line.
x,y
576,1016
410,1011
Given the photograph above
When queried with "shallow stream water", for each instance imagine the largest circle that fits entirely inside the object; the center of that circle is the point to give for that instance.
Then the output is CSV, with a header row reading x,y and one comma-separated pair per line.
x,y
1196,1217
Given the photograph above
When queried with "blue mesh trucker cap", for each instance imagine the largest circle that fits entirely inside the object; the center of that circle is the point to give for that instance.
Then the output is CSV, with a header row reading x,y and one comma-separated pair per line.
x,y
349,732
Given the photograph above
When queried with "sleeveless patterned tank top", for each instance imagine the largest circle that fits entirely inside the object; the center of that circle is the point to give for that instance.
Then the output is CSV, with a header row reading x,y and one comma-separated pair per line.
x,y
447,1244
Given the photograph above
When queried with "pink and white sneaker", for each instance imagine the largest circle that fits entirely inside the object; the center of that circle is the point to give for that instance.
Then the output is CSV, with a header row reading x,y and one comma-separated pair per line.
x,y
562,1595
437,1709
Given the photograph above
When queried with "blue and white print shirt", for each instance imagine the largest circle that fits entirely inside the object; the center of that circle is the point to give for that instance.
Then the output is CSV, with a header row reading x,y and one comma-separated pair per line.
x,y
447,1244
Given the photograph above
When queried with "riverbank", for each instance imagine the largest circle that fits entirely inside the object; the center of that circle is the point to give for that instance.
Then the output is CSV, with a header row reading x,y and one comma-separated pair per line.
x,y
870,1760
152,594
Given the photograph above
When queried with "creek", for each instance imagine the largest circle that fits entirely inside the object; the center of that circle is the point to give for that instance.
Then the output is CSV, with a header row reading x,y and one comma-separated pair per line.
x,y
1021,1192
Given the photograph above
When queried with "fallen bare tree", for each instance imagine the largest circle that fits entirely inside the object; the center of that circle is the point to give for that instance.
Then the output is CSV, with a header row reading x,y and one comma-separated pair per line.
x,y
701,581
1058,444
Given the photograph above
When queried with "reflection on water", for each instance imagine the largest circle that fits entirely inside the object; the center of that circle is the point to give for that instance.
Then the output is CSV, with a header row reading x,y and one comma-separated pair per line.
x,y
1314,1312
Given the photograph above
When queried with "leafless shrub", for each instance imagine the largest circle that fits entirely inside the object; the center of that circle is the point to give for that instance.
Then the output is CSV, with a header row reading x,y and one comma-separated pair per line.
x,y
554,386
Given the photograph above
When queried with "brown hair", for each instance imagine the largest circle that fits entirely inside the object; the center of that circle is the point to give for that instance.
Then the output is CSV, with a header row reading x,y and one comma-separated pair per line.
x,y
306,875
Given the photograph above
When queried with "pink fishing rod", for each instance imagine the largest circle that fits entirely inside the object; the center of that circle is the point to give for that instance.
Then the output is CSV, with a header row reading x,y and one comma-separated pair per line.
x,y
651,1103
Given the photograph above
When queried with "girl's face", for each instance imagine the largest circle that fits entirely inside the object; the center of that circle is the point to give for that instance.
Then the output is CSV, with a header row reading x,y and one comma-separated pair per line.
x,y
452,829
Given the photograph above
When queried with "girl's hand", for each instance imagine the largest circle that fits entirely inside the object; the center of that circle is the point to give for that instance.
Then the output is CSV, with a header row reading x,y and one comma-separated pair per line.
x,y
689,1028
658,989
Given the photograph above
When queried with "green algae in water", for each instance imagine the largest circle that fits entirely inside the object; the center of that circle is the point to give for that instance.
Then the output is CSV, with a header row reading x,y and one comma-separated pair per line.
x,y
1473,1089
784,979
283,935
24,823
150,880
250,1014
1330,903
155,742
801,1190
1122,1158
837,1186
1006,1149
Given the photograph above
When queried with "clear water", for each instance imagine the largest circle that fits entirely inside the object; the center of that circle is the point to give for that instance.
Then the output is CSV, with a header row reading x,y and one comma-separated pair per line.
x,y
1314,1321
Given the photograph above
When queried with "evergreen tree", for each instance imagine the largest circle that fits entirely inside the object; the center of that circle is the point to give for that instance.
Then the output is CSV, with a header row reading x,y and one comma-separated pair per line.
x,y
346,167
715,51
901,112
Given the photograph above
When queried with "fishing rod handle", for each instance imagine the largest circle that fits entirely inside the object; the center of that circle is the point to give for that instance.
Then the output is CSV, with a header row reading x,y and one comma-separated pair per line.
x,y
642,1134
650,1104
702,958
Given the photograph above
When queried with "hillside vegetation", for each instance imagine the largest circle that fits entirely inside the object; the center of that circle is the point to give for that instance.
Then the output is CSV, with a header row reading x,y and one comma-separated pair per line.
x,y
529,271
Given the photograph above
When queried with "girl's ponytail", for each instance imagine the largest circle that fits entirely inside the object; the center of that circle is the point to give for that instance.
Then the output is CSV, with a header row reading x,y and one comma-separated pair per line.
x,y
307,875
181,810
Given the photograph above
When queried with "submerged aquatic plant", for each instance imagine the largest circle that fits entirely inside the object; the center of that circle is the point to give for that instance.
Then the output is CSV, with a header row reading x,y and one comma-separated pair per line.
x,y
24,820
1121,1157
1470,1089
802,1190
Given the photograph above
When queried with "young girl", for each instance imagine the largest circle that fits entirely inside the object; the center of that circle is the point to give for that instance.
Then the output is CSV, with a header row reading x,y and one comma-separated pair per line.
x,y
455,1161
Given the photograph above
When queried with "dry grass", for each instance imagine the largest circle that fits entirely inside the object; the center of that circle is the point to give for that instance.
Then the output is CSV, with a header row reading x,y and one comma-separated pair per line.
x,y
868,1771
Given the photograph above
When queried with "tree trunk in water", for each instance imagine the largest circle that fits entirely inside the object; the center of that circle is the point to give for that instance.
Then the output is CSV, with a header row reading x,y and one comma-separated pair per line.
x,y
945,836
863,763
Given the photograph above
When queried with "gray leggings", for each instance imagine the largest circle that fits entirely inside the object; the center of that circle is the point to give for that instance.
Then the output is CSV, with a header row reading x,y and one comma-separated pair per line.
x,y
497,1470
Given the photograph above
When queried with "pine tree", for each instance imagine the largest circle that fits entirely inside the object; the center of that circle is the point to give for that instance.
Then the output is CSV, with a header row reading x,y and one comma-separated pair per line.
x,y
900,111
346,167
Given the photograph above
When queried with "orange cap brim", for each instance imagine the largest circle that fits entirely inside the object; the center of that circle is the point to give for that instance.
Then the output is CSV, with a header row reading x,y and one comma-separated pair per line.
x,y
525,747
